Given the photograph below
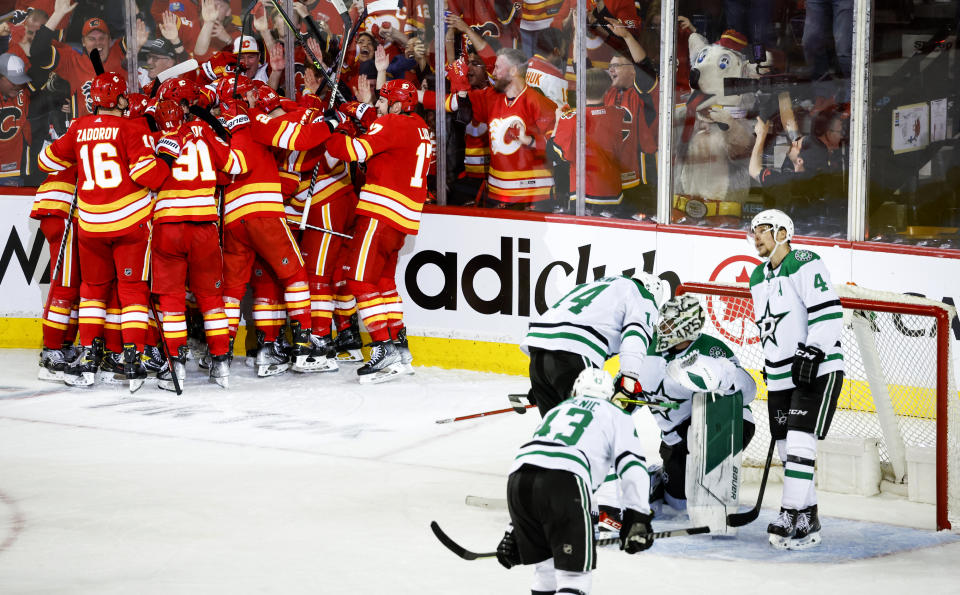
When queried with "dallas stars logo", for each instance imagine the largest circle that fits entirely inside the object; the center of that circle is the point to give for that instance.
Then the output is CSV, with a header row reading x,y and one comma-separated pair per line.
x,y
768,325
660,396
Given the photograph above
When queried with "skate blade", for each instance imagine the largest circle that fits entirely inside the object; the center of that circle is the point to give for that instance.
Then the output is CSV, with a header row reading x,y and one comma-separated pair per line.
x,y
222,381
804,543
350,356
85,379
271,370
306,364
168,384
388,373
406,369
778,542
104,377
135,384
50,376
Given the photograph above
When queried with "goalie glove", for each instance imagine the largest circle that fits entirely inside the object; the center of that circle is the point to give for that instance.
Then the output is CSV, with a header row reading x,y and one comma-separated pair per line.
x,y
635,530
507,553
806,362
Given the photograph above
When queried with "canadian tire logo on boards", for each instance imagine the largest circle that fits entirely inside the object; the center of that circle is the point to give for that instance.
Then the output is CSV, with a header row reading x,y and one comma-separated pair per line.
x,y
733,317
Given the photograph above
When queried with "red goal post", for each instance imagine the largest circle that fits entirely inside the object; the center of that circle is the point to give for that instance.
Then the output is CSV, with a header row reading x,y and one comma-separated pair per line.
x,y
899,386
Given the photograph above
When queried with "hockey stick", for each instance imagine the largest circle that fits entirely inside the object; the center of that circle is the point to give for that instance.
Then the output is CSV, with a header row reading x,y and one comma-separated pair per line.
x,y
466,554
309,201
244,27
484,414
166,352
96,62
349,35
323,229
67,233
739,519
303,43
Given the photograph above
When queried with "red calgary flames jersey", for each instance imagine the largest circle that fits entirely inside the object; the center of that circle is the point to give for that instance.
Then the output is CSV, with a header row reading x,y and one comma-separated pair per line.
x,y
605,158
116,165
397,149
55,195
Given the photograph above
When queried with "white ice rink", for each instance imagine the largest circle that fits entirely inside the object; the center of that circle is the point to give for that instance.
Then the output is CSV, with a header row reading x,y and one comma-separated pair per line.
x,y
307,484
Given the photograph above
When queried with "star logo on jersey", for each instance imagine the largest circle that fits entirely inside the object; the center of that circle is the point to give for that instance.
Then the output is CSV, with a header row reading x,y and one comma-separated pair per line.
x,y
660,396
768,325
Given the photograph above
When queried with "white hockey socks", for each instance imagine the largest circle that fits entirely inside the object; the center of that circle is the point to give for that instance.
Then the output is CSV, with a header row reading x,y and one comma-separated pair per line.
x,y
569,581
544,577
798,469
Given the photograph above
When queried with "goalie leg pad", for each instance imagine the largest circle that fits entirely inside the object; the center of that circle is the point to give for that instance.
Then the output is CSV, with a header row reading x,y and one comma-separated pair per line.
x,y
713,466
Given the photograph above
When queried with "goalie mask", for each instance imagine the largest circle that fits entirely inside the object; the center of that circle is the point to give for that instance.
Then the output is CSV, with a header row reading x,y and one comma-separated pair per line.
x,y
772,220
594,383
681,319
659,288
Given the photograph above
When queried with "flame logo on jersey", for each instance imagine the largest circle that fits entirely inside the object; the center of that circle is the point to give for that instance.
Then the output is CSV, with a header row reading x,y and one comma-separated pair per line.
x,y
85,92
9,118
504,137
488,29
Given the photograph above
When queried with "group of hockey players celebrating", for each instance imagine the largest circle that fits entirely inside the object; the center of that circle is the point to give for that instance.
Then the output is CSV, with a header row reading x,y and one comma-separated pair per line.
x,y
174,203
559,490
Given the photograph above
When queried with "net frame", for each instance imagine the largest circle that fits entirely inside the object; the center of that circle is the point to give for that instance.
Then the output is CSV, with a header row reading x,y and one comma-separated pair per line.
x,y
947,423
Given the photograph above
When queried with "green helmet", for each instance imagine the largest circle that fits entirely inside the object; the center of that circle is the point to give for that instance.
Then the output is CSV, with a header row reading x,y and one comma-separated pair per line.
x,y
681,319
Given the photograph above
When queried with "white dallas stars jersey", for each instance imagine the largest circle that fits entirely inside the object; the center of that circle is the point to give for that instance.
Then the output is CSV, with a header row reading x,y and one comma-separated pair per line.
x,y
587,436
598,320
659,387
795,304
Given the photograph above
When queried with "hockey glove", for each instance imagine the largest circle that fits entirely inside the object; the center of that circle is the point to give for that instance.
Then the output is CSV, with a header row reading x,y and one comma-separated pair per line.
x,y
361,112
168,148
635,532
806,362
628,386
507,553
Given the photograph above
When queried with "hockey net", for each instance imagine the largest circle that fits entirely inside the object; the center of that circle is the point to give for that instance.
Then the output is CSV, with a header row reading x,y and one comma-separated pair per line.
x,y
899,384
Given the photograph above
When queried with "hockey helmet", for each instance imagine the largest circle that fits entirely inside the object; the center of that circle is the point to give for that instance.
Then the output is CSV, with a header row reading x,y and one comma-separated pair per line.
x,y
594,383
107,89
659,288
267,99
227,84
169,115
137,104
402,91
681,319
777,220
179,90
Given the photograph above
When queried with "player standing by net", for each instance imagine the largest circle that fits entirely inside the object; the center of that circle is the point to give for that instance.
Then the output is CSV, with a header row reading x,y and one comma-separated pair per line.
x,y
800,320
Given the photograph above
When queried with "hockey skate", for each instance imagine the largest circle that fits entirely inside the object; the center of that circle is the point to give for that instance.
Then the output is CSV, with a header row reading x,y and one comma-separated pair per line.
x,y
220,370
111,369
82,371
52,364
271,360
384,363
406,358
154,359
807,534
133,367
165,378
783,528
347,343
318,357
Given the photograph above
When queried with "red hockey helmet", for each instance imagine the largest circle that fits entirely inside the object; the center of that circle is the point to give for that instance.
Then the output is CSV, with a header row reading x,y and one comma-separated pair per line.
x,y
400,90
106,89
267,99
138,104
180,89
169,115
225,87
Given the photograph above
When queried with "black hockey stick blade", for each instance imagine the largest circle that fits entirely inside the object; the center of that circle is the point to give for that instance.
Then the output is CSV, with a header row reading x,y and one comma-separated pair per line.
x,y
516,401
739,519
96,61
615,539
455,547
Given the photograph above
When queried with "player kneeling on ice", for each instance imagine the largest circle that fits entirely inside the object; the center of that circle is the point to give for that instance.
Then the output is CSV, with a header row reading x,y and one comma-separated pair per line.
x,y
703,377
552,480
800,320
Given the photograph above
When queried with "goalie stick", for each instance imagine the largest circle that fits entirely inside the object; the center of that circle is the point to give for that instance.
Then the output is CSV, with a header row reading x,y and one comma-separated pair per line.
x,y
466,554
739,519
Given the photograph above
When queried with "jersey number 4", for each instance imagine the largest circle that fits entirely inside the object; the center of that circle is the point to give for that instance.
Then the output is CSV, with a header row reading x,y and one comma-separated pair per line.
x,y
581,300
572,429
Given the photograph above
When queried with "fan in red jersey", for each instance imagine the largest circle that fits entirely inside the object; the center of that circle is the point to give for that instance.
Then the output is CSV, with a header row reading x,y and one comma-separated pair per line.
x,y
397,151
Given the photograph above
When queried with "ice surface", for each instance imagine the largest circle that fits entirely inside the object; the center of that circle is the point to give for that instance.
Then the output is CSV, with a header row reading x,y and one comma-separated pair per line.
x,y
312,484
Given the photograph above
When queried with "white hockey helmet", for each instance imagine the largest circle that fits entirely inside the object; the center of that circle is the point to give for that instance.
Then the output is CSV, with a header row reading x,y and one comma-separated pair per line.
x,y
777,220
681,319
659,288
593,382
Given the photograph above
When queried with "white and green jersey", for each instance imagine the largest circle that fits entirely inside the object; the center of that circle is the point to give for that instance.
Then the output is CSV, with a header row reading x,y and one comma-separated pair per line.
x,y
659,387
793,304
587,436
599,320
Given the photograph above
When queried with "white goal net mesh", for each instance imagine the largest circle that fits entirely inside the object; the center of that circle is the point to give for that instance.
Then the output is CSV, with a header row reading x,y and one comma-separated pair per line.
x,y
896,371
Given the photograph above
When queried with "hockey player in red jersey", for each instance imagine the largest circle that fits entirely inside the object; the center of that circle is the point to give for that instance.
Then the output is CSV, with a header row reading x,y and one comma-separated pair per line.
x,y
116,166
605,156
51,206
186,243
519,119
397,151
